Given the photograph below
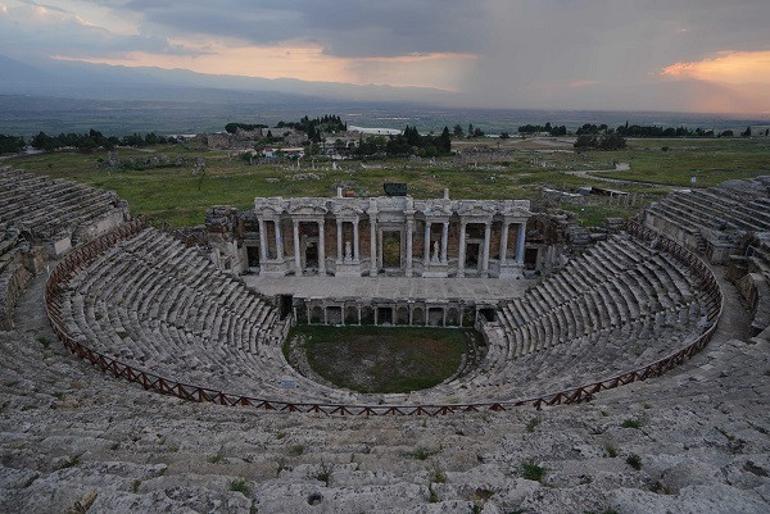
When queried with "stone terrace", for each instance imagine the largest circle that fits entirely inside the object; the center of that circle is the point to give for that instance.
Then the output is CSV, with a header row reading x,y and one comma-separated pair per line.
x,y
161,307
60,212
712,220
42,218
475,290
75,440
70,435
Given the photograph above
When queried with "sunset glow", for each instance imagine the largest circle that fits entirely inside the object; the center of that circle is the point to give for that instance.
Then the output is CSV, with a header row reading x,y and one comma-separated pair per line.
x,y
490,53
736,68
300,62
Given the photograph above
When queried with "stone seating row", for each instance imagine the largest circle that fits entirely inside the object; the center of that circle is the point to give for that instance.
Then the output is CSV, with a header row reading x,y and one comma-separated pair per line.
x,y
159,306
619,305
49,206
595,356
599,289
731,206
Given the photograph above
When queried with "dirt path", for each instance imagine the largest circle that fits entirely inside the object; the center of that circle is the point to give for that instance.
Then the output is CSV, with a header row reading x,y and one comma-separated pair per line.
x,y
592,175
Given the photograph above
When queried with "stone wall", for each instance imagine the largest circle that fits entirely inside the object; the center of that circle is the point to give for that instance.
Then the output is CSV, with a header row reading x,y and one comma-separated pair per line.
x,y
12,284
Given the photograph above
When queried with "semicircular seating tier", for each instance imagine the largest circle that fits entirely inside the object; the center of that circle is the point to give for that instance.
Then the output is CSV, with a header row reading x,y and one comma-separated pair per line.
x,y
60,212
41,217
159,306
727,224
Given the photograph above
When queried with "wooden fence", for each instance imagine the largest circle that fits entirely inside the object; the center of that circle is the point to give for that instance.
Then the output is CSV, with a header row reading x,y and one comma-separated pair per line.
x,y
80,259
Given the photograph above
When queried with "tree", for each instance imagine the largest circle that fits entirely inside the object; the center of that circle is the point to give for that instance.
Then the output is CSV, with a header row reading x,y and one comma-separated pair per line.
x,y
11,144
747,132
458,131
43,141
444,143
504,135
612,141
470,129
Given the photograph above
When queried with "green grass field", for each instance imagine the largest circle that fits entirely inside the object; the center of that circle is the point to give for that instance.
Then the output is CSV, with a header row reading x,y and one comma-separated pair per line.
x,y
176,196
383,360
711,161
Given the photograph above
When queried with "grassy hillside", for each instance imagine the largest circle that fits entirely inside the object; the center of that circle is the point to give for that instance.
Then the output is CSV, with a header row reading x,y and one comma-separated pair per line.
x,y
177,196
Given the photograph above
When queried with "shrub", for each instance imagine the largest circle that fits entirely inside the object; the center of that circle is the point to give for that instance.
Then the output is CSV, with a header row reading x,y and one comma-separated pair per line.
x,y
422,453
72,462
612,452
216,459
483,494
631,423
532,424
433,495
438,476
532,471
240,486
296,450
324,475
634,461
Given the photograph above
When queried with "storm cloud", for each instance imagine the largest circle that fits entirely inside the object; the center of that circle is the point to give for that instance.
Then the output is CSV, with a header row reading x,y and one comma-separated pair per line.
x,y
613,54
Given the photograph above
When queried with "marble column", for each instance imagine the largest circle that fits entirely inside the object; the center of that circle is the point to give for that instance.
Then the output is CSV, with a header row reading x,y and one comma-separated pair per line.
x,y
262,242
426,243
321,249
520,242
278,240
461,252
355,241
444,243
297,256
339,242
373,245
409,230
485,251
504,243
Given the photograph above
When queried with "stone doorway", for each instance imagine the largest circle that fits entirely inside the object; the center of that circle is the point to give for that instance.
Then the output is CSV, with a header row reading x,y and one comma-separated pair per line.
x,y
311,254
252,256
530,258
391,250
473,256
384,315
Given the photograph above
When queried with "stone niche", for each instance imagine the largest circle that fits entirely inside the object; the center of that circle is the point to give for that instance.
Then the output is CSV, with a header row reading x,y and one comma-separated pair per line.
x,y
385,235
390,313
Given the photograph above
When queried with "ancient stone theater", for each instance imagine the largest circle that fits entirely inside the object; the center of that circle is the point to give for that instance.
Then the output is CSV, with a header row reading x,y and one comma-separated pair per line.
x,y
136,359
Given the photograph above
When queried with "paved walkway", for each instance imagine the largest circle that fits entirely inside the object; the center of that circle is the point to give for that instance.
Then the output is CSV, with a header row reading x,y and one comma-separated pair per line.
x,y
595,175
477,290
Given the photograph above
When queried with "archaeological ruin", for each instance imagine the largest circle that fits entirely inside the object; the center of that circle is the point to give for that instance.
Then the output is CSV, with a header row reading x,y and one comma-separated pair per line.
x,y
663,319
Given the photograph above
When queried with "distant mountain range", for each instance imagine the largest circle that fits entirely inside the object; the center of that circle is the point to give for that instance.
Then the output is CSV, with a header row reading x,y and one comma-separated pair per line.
x,y
65,96
75,79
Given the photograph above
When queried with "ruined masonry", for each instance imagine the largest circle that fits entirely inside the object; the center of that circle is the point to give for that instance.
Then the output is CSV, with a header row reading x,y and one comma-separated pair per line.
x,y
660,370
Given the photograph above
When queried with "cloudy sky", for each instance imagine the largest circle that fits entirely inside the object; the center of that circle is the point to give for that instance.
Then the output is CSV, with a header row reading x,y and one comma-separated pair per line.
x,y
684,55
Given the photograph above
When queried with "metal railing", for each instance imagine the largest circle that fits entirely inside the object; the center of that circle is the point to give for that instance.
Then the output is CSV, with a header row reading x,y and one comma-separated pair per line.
x,y
82,257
